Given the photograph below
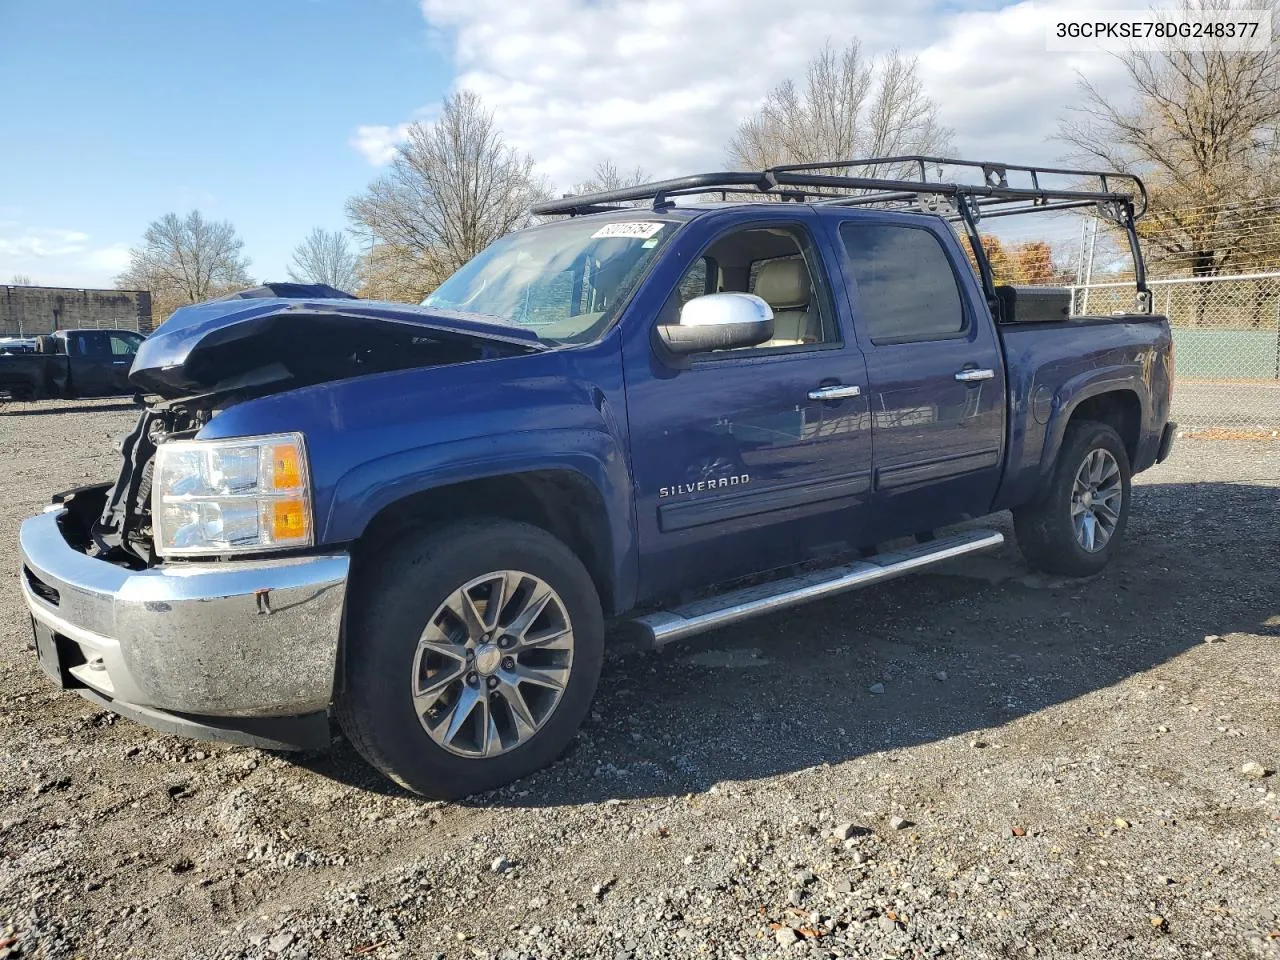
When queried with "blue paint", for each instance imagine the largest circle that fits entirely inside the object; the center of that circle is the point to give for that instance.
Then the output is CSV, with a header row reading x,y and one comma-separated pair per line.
x,y
785,478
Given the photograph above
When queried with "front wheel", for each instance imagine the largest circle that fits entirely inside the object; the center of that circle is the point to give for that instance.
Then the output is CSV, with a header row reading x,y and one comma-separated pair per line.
x,y
1075,526
472,654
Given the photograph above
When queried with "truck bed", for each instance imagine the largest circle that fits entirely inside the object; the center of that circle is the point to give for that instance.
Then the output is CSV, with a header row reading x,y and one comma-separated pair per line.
x,y
1045,366
34,375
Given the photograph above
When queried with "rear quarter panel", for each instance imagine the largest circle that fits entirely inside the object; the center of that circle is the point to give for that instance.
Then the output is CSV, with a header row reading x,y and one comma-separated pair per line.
x,y
1053,367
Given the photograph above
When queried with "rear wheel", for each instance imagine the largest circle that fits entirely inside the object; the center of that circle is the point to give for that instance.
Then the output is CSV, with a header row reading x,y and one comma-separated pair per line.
x,y
1075,526
473,652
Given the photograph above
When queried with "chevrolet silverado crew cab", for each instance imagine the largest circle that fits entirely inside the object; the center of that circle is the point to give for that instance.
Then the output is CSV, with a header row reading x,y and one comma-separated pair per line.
x,y
419,519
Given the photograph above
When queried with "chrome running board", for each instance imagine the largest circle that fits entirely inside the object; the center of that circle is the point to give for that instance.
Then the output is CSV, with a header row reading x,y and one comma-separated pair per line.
x,y
724,609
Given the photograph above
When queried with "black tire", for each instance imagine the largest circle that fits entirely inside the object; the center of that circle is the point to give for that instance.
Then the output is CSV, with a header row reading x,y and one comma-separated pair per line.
x,y
392,602
1046,533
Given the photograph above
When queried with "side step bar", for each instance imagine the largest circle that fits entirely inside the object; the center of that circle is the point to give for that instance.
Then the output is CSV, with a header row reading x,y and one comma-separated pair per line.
x,y
720,611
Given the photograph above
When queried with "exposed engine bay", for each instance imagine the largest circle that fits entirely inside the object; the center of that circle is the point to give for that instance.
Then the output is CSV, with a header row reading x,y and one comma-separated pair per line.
x,y
123,533
212,356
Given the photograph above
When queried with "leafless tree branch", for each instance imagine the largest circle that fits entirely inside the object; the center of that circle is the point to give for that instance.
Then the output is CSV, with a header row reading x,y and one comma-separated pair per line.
x,y
184,260
454,187
326,257
851,106
1201,127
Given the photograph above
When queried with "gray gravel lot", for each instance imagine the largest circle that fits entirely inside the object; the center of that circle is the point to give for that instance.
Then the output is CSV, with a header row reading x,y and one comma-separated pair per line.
x,y
1053,768
1207,403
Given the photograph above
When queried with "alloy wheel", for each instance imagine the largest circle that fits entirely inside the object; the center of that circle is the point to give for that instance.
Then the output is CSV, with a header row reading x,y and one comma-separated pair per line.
x,y
1097,496
492,664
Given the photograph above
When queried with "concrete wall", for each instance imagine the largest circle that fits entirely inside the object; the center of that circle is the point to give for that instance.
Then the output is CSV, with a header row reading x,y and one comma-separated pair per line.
x,y
31,311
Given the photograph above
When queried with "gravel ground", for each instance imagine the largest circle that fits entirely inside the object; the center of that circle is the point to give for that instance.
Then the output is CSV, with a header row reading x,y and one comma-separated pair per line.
x,y
1051,768
1215,403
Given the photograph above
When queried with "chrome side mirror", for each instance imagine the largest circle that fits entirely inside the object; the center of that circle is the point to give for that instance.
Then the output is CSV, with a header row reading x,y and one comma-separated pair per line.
x,y
718,321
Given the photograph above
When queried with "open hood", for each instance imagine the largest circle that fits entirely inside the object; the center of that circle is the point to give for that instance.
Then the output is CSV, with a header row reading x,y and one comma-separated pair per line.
x,y
267,345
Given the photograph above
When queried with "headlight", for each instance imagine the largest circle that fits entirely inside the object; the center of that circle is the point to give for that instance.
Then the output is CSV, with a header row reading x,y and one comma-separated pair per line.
x,y
225,496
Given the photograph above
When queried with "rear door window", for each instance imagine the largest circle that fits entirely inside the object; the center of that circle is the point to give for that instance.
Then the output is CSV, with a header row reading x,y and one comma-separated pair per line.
x,y
907,288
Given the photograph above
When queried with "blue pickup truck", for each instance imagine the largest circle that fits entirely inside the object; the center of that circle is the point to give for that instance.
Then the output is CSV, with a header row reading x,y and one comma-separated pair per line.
x,y
419,519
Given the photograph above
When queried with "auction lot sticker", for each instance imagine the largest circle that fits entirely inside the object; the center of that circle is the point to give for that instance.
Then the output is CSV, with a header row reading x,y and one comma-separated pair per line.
x,y
637,229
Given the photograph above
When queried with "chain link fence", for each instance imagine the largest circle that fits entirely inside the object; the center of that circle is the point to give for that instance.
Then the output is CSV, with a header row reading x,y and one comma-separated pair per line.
x,y
1226,336
1213,269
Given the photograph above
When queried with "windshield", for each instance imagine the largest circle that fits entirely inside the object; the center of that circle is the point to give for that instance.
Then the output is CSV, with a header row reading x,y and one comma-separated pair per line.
x,y
565,281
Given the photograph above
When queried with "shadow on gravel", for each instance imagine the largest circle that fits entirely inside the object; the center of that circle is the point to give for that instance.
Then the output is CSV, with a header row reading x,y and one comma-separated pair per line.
x,y
52,408
792,691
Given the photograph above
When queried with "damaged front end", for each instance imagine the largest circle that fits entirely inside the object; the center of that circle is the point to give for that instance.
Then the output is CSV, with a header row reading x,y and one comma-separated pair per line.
x,y
262,346
211,356
173,634
123,532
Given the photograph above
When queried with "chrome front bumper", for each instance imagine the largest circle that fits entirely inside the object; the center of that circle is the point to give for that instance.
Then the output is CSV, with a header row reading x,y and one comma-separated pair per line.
x,y
201,641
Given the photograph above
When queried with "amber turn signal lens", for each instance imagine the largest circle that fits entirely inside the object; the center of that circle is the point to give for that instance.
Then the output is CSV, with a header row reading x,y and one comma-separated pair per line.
x,y
286,471
288,521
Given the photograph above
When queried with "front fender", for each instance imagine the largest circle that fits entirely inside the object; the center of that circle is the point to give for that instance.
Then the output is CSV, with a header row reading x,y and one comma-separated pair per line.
x,y
375,440
363,492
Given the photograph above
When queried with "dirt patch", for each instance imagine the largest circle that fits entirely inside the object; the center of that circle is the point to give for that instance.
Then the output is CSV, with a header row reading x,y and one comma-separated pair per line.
x,y
1222,433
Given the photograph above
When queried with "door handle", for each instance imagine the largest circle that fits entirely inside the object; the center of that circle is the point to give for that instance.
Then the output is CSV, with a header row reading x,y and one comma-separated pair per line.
x,y
837,391
973,376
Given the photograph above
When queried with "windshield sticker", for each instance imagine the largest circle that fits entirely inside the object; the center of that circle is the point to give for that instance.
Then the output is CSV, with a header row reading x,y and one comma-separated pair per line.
x,y
638,230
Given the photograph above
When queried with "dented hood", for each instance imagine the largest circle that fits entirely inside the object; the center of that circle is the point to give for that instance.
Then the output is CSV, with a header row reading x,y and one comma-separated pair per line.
x,y
277,343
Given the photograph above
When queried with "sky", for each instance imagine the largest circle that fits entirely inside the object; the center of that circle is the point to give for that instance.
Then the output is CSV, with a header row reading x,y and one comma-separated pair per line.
x,y
271,113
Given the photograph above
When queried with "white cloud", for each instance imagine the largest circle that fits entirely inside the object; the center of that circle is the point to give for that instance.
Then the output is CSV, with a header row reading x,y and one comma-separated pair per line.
x,y
107,260
38,244
664,83
378,143
56,257
1001,91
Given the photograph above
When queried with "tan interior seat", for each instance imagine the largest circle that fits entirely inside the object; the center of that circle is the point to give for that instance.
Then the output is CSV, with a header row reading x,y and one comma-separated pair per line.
x,y
784,285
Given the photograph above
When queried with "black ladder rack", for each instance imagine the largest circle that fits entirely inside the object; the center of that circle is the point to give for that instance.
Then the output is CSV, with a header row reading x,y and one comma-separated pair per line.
x,y
817,181
1005,189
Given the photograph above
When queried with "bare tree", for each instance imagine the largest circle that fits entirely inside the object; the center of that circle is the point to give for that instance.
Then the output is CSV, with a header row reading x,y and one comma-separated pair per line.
x,y
184,260
387,272
326,257
850,106
22,280
1201,127
607,176
454,187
